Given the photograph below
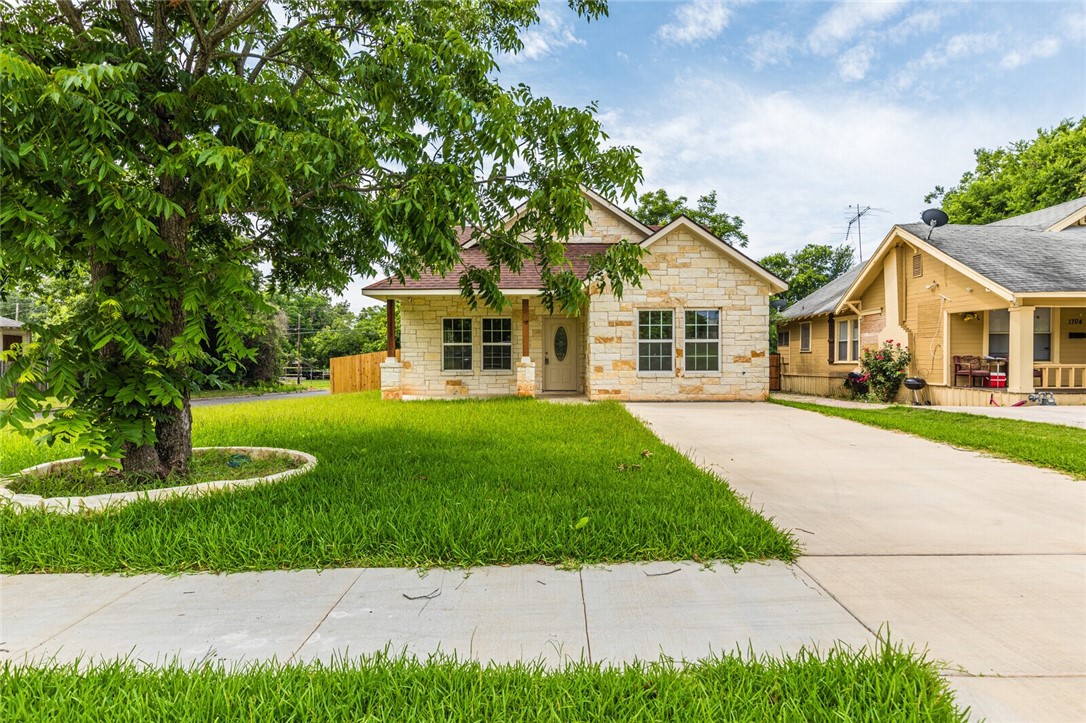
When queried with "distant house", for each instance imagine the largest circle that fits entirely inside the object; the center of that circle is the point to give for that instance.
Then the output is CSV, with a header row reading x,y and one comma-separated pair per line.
x,y
995,311
11,333
696,330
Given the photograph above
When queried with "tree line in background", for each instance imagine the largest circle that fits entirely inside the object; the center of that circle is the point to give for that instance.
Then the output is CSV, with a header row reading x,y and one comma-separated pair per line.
x,y
310,327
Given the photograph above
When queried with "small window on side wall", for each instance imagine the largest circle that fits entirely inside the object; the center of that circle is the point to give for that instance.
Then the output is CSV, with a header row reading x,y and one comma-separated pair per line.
x,y
456,345
805,336
782,338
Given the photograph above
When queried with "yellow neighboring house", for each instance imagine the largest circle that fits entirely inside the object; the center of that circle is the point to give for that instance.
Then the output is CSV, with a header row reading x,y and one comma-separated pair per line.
x,y
1005,301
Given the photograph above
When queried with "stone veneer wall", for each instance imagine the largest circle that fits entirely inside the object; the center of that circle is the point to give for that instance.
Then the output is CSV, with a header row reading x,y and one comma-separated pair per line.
x,y
684,273
420,348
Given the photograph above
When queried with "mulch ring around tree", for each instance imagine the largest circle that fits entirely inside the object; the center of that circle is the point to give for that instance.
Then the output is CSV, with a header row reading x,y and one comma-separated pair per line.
x,y
65,486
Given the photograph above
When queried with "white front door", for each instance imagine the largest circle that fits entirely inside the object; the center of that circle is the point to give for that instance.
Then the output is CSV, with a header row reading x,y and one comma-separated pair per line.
x,y
560,343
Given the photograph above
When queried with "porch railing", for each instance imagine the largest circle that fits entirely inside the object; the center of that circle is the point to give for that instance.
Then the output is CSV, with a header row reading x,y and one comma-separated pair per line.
x,y
1060,376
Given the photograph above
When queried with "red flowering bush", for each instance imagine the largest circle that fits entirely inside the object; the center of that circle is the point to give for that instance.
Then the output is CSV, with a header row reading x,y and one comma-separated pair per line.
x,y
886,368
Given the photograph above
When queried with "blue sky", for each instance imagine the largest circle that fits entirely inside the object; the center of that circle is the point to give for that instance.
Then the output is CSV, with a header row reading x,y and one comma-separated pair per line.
x,y
793,111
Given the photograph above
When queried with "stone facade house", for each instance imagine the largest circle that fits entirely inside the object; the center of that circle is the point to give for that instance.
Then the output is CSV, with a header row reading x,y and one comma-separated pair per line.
x,y
1006,300
697,329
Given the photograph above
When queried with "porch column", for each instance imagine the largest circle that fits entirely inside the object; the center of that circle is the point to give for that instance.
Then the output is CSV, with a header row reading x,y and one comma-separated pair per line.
x,y
1020,362
390,327
525,367
391,369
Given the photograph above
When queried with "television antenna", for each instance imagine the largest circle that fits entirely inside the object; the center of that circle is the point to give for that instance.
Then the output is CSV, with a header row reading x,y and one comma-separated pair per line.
x,y
859,213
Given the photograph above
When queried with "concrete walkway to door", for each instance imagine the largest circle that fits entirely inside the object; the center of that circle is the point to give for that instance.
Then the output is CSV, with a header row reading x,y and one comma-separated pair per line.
x,y
980,560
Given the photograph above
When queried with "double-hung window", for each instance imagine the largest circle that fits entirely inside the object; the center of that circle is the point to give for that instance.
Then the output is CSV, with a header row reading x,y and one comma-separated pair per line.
x,y
497,344
456,344
999,333
655,340
702,351
848,340
805,336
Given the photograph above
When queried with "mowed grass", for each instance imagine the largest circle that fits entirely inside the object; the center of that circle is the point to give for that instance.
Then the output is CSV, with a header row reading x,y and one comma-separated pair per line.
x,y
840,686
462,483
1052,446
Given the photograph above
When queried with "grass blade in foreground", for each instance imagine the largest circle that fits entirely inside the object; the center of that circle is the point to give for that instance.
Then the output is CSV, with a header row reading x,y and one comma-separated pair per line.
x,y
841,685
1043,445
402,484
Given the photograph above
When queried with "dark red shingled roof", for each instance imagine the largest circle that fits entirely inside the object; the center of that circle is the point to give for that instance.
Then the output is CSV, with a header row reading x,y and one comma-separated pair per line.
x,y
528,278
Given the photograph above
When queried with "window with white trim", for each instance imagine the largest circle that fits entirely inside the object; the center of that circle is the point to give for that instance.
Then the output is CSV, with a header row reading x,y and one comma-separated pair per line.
x,y
805,336
999,333
497,344
456,345
848,340
655,340
702,352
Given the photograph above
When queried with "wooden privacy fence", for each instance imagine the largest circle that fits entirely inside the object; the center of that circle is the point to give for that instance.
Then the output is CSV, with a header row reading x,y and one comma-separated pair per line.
x,y
357,373
774,372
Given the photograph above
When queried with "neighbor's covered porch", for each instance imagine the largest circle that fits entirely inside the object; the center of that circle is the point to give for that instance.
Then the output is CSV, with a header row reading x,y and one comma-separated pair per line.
x,y
1018,350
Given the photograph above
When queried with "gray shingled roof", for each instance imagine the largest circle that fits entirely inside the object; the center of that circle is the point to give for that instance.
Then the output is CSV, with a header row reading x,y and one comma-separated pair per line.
x,y
825,299
1044,218
1022,260
9,323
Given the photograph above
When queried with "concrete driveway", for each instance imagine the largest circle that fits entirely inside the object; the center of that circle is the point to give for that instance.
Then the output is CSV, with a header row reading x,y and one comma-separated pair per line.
x,y
981,561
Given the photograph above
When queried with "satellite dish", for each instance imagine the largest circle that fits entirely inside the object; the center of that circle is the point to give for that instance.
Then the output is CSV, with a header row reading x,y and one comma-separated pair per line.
x,y
934,217
779,304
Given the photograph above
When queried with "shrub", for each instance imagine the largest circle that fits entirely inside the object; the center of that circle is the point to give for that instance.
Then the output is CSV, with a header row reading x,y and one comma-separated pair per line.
x,y
886,368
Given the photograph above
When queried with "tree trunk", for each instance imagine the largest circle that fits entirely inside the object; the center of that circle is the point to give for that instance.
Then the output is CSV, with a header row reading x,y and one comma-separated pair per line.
x,y
174,434
142,460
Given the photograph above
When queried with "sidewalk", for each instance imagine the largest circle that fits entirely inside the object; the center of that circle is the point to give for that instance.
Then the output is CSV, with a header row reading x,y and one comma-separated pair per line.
x,y
600,614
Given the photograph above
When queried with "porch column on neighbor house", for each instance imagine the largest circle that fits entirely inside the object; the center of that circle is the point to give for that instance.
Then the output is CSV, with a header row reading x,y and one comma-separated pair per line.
x,y
391,368
525,367
1020,361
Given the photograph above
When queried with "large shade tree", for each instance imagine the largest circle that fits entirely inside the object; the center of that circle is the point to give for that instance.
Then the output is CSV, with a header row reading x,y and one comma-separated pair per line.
x,y
657,208
1026,175
172,145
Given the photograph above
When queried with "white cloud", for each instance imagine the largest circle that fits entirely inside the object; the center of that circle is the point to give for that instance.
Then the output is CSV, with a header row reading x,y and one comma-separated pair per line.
x,y
848,20
1074,26
622,56
790,164
1045,48
552,33
854,63
770,48
955,48
695,21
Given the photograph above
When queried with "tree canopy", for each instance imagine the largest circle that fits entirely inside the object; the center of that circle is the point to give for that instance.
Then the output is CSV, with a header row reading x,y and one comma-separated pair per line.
x,y
656,208
172,146
1026,176
809,268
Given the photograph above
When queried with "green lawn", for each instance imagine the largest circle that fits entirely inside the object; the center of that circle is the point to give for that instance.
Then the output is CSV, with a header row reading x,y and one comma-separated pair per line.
x,y
1043,445
838,686
411,483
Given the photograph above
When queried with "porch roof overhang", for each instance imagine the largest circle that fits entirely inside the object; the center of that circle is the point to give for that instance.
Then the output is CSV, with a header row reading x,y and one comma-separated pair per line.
x,y
402,293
